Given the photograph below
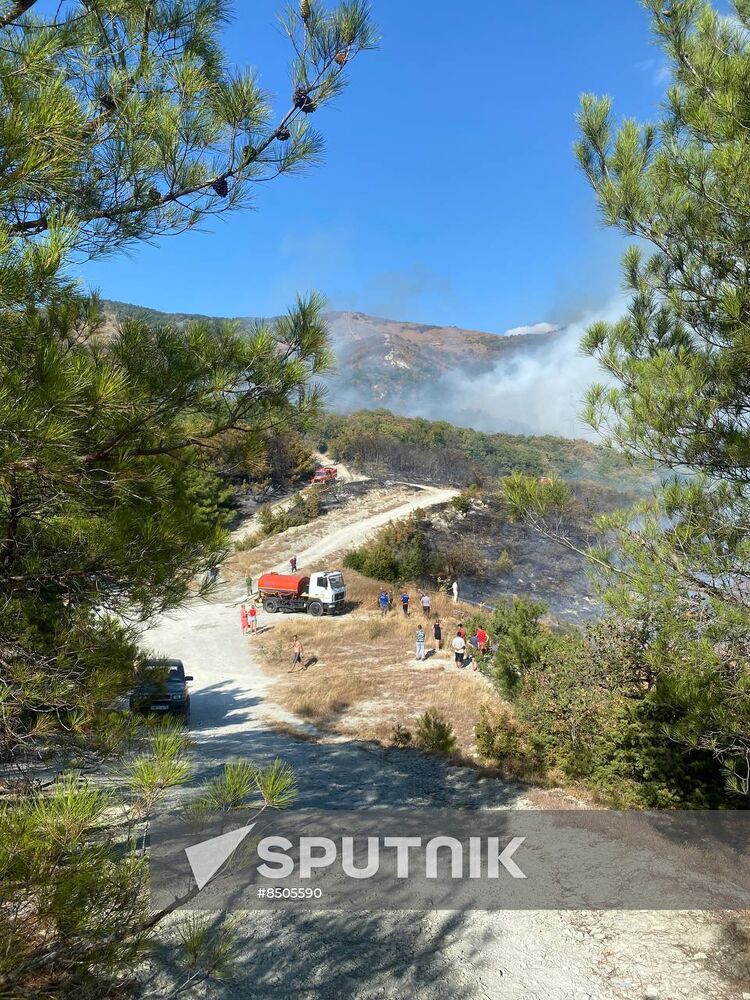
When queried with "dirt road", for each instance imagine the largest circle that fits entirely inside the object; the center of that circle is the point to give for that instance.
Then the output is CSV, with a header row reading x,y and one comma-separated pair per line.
x,y
351,535
425,956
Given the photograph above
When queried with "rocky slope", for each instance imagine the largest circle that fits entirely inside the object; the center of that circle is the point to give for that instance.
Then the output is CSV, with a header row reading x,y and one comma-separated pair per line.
x,y
382,362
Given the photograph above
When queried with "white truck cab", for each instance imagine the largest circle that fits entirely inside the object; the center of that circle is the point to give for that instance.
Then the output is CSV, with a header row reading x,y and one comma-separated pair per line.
x,y
328,588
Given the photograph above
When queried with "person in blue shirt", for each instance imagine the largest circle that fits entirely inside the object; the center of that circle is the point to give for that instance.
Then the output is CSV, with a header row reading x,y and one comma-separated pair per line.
x,y
405,602
384,602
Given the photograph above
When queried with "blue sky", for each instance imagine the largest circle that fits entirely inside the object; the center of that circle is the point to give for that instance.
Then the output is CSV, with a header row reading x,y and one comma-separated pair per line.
x,y
449,192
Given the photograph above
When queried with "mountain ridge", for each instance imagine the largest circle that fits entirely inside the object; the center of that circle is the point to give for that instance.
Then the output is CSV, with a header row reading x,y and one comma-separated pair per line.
x,y
382,362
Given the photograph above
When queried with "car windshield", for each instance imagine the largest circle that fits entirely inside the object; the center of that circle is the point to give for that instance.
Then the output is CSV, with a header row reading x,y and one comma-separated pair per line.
x,y
336,580
175,668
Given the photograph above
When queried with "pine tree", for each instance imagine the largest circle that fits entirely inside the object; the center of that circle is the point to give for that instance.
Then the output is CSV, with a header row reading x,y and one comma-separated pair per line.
x,y
679,383
126,121
681,393
121,121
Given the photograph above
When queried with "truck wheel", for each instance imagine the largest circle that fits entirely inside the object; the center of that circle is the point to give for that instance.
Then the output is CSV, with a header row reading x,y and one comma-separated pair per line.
x,y
271,605
315,608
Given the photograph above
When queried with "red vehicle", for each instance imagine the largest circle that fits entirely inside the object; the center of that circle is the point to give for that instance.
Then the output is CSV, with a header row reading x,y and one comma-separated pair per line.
x,y
328,474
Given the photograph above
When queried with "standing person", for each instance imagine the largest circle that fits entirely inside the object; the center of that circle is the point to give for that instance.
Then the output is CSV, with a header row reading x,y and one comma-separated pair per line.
x,y
405,602
454,588
475,641
437,631
252,617
483,638
459,649
297,651
293,564
249,584
461,631
384,602
426,602
420,642
243,619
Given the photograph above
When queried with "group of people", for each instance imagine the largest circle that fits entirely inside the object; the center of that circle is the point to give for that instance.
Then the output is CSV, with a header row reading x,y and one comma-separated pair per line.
x,y
464,649
385,602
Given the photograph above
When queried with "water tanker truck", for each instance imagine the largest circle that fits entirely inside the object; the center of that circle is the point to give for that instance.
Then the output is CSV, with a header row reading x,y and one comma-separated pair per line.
x,y
316,593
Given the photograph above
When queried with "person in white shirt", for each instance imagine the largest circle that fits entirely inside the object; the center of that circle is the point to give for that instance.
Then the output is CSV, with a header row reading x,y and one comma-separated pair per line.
x,y
459,648
426,603
454,588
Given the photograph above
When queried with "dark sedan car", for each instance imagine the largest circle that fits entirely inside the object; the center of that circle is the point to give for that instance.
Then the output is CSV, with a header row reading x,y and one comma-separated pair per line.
x,y
163,690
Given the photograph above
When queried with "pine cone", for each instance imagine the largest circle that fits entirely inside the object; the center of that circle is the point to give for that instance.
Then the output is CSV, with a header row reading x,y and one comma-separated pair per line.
x,y
341,58
304,9
283,134
221,187
303,100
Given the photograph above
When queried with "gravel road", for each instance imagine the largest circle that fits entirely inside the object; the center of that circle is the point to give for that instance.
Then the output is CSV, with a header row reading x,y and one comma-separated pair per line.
x,y
351,535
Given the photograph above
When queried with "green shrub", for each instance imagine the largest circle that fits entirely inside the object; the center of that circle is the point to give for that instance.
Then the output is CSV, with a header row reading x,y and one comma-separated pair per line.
x,y
462,502
586,711
515,628
400,736
248,542
435,733
504,562
399,551
304,508
500,735
267,520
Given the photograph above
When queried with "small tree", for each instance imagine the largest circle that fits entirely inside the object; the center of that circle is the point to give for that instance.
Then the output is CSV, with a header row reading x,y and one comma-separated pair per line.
x,y
433,732
520,639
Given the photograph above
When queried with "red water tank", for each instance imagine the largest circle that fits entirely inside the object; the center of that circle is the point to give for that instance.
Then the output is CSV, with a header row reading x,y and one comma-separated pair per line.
x,y
283,584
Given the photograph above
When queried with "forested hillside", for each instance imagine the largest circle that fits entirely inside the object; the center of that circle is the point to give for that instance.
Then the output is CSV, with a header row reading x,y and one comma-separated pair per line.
x,y
381,441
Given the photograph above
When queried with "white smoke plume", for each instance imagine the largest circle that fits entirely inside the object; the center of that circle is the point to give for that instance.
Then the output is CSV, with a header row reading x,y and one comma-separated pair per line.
x,y
531,394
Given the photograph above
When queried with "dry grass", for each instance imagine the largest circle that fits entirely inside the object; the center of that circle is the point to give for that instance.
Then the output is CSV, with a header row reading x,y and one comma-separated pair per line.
x,y
364,678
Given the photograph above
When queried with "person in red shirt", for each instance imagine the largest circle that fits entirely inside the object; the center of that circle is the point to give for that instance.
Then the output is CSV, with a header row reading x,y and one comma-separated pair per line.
x,y
253,619
461,630
243,619
483,640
